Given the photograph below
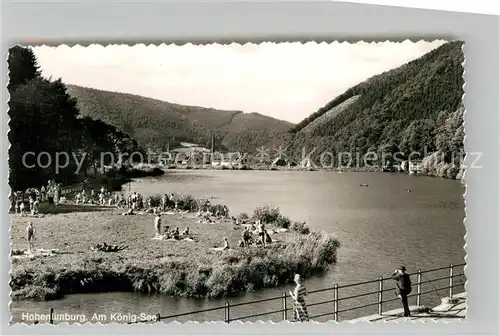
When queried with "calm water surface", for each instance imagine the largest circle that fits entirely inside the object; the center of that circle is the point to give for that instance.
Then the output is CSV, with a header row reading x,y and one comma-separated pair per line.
x,y
379,227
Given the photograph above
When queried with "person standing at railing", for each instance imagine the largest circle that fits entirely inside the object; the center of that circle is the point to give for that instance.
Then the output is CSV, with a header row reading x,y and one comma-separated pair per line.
x,y
403,282
299,304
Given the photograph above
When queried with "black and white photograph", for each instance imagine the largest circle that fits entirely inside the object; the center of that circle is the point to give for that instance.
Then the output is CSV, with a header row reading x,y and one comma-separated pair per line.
x,y
301,182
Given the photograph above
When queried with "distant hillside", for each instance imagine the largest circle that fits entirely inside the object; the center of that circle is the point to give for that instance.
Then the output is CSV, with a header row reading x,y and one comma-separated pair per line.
x,y
402,110
153,123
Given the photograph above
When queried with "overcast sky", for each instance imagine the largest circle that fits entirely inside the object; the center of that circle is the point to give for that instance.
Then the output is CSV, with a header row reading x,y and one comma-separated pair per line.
x,y
287,81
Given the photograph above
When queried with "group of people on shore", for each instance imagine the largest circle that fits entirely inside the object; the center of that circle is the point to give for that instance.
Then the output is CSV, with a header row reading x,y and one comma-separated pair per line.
x,y
136,201
206,211
28,202
247,235
166,233
103,197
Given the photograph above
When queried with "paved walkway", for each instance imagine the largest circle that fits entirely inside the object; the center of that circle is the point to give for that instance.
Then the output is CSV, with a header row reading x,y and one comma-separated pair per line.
x,y
453,309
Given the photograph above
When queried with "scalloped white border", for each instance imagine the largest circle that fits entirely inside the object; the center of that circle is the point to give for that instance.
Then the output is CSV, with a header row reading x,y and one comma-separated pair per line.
x,y
208,44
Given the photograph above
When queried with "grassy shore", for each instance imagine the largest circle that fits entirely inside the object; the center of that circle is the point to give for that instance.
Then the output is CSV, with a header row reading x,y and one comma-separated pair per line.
x,y
178,268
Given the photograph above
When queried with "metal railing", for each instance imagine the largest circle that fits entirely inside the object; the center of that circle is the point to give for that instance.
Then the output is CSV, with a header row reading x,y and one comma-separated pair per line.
x,y
335,300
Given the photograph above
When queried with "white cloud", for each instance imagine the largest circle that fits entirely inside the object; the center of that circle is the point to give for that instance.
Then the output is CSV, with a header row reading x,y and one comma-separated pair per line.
x,y
287,80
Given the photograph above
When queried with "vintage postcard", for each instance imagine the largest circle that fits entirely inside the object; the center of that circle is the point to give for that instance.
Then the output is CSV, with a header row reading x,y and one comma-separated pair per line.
x,y
258,182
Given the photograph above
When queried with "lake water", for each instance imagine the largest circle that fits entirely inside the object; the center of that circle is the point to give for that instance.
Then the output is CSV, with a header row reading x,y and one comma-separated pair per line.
x,y
380,227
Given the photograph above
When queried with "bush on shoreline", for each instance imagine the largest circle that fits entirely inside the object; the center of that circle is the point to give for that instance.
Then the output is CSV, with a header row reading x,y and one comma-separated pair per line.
x,y
300,227
269,215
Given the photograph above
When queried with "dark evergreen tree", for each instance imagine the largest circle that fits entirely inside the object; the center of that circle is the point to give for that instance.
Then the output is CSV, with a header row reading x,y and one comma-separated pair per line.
x,y
22,65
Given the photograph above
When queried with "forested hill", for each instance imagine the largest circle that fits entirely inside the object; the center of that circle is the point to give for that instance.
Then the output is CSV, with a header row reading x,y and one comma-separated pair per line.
x,y
413,107
155,123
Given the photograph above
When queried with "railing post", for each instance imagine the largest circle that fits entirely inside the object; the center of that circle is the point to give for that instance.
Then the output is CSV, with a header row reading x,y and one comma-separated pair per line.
x,y
419,286
380,291
336,302
227,315
451,281
51,317
283,305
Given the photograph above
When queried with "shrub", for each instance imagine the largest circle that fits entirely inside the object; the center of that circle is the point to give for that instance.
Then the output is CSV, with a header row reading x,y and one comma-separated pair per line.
x,y
283,222
217,209
266,214
243,217
186,203
156,200
300,227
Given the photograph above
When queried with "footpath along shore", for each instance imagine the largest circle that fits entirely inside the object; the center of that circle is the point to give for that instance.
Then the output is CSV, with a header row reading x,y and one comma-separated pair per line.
x,y
449,309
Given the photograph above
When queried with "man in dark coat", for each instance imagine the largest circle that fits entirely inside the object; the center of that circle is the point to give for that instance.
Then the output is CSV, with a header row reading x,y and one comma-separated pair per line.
x,y
403,284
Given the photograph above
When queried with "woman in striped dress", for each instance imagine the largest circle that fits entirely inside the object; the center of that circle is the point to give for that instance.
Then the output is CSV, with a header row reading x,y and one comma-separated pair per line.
x,y
299,304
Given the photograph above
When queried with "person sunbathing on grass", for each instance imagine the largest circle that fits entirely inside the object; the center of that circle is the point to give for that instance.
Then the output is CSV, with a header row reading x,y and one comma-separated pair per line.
x,y
185,232
225,247
129,212
175,233
108,248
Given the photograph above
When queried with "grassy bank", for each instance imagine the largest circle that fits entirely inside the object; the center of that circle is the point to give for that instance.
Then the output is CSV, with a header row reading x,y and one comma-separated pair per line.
x,y
178,268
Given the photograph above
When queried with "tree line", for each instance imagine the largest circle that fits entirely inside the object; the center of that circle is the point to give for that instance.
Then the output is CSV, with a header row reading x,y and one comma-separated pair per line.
x,y
414,108
44,118
160,124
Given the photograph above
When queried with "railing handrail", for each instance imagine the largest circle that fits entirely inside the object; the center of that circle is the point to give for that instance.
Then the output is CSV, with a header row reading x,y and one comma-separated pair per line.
x,y
226,307
333,288
336,287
